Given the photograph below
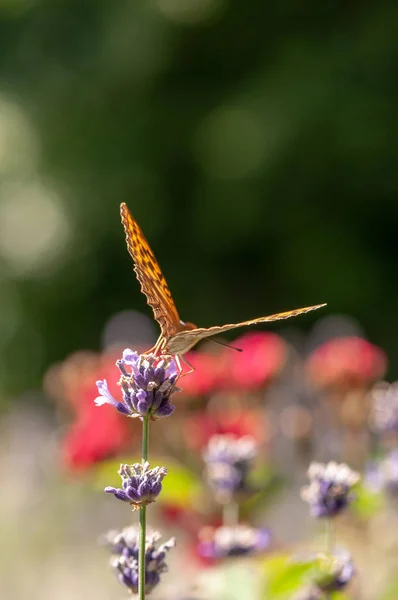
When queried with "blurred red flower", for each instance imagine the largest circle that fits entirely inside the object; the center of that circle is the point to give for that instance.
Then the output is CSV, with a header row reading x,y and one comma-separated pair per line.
x,y
209,370
199,428
94,434
262,358
346,362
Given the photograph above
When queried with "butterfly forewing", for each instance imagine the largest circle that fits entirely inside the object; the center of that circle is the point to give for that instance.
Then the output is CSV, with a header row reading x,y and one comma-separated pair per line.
x,y
151,278
184,340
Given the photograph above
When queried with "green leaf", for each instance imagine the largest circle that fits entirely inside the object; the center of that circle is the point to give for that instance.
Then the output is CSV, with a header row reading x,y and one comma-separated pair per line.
x,y
338,596
267,483
391,593
181,486
106,472
284,575
367,502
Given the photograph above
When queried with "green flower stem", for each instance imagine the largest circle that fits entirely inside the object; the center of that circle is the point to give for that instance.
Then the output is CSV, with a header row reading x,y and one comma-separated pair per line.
x,y
141,558
329,531
230,514
145,438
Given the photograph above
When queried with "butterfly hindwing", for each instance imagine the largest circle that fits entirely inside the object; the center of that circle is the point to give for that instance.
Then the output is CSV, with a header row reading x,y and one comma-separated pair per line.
x,y
151,278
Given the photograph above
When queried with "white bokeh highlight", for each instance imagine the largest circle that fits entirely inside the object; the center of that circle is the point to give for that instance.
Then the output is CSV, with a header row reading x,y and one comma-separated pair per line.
x,y
19,148
231,143
34,228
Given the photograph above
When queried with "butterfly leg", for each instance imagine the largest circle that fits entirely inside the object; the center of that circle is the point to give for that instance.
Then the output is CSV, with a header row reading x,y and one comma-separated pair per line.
x,y
178,361
158,346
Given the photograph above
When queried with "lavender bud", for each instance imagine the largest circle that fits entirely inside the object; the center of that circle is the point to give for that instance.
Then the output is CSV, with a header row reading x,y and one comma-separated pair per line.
x,y
140,484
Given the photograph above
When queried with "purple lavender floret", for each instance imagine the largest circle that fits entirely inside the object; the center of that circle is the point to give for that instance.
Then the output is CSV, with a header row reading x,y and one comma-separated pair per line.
x,y
233,541
147,382
124,545
329,492
140,484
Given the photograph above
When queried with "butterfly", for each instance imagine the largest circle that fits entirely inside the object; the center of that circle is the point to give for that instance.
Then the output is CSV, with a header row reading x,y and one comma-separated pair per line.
x,y
176,337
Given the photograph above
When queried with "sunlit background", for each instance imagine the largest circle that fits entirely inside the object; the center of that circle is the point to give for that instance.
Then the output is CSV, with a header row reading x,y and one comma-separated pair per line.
x,y
256,145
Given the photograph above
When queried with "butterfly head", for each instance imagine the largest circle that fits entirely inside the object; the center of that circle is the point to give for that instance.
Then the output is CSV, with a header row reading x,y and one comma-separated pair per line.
x,y
183,340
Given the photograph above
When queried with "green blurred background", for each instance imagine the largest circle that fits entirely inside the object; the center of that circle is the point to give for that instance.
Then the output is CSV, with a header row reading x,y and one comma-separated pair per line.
x,y
255,143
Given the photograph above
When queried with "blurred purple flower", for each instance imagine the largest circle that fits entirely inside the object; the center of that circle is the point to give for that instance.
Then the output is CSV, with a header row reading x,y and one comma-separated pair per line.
x,y
337,570
147,383
124,545
373,477
330,486
330,572
216,543
384,409
383,474
390,471
118,542
140,484
228,461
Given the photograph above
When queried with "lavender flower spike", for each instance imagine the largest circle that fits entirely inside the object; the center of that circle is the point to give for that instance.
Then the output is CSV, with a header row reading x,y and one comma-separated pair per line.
x,y
331,572
233,541
337,570
124,546
140,484
147,382
228,460
330,486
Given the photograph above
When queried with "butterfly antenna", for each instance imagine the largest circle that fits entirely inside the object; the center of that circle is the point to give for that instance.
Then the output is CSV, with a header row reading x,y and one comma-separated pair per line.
x,y
226,345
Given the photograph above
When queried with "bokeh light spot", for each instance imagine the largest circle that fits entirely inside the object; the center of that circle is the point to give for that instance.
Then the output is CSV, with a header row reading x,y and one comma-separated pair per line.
x,y
136,44
18,142
230,143
129,328
190,11
34,229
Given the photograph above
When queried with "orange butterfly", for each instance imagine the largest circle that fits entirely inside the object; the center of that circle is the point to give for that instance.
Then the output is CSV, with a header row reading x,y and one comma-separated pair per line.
x,y
176,337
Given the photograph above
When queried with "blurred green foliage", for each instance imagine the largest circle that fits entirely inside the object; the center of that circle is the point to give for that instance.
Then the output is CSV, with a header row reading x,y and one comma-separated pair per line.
x,y
367,503
283,576
255,143
286,576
